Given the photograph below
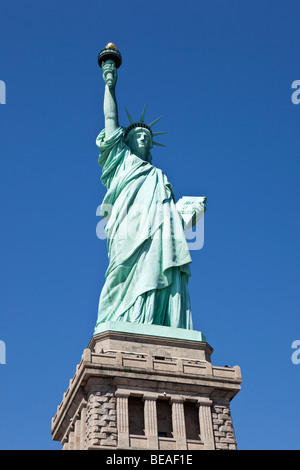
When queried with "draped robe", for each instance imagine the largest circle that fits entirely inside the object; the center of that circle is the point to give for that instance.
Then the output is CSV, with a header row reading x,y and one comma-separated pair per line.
x,y
147,277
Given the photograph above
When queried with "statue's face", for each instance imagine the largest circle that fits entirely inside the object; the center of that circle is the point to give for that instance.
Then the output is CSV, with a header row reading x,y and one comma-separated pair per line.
x,y
140,142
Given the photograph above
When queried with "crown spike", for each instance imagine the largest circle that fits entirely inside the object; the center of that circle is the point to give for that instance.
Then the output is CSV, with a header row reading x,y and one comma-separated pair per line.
x,y
159,133
129,117
157,143
143,114
154,122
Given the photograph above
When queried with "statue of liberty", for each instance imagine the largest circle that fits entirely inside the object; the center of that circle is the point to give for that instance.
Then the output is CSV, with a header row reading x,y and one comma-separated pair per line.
x,y
148,273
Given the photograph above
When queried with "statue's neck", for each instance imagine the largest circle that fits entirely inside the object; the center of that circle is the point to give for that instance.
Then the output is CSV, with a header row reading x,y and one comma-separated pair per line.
x,y
144,156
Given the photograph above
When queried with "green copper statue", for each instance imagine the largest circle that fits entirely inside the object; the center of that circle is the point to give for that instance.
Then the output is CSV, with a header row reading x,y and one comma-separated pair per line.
x,y
147,277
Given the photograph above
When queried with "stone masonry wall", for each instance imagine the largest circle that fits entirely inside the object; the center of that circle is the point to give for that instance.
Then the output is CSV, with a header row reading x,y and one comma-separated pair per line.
x,y
101,420
223,427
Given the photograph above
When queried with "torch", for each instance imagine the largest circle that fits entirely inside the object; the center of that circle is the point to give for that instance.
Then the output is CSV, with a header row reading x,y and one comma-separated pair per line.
x,y
110,52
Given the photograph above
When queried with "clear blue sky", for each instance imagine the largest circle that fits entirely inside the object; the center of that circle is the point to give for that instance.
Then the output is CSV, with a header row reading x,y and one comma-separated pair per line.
x,y
220,73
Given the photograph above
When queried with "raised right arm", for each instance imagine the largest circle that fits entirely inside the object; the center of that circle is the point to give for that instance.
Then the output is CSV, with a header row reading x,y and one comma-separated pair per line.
x,y
110,107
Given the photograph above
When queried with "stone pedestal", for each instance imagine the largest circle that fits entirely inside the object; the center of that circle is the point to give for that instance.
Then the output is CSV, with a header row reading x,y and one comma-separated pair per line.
x,y
147,387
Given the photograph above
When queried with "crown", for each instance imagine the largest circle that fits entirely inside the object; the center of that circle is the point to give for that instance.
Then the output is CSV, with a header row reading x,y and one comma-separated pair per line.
x,y
142,124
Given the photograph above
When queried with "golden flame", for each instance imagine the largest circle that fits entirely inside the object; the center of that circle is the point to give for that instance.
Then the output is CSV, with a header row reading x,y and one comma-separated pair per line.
x,y
111,45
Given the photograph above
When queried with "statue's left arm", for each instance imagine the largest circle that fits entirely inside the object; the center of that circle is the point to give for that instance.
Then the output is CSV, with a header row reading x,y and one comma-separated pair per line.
x,y
110,107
